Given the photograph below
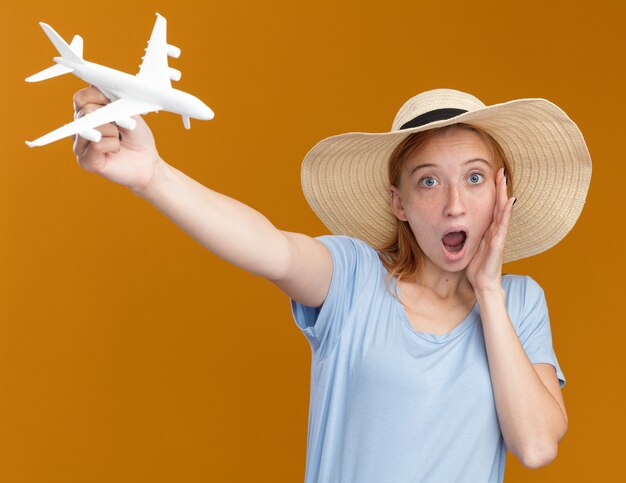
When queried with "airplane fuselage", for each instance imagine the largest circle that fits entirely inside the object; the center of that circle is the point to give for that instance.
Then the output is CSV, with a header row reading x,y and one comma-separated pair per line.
x,y
116,84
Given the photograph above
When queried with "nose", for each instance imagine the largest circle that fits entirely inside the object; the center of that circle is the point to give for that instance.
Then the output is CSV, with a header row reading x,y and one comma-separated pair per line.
x,y
455,205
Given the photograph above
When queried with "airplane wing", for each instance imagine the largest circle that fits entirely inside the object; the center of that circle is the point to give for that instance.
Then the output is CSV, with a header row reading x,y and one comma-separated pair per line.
x,y
118,110
154,67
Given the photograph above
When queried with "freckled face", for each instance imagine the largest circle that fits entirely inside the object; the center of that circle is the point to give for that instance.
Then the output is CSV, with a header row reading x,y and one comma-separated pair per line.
x,y
448,183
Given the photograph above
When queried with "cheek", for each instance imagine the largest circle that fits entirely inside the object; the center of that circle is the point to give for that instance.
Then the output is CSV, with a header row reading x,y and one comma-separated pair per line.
x,y
422,218
484,205
422,209
424,201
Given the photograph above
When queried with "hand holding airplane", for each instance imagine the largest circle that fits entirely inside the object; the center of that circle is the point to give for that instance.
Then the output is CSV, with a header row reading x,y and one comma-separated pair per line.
x,y
149,91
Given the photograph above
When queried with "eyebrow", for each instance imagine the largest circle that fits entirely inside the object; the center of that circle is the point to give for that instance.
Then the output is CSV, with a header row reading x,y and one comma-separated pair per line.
x,y
429,165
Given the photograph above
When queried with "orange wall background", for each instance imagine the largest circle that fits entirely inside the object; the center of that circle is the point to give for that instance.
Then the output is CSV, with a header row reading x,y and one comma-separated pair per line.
x,y
128,353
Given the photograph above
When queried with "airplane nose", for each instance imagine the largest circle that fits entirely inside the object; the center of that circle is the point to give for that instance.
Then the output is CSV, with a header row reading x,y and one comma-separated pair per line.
x,y
204,112
191,106
207,112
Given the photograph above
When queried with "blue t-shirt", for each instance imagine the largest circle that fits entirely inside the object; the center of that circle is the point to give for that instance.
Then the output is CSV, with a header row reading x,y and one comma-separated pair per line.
x,y
390,404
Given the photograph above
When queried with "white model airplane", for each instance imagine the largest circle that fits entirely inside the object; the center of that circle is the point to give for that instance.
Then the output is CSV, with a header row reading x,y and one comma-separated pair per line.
x,y
149,91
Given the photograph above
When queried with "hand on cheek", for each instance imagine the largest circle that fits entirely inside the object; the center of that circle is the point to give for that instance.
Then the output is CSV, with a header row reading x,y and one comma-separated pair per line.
x,y
485,269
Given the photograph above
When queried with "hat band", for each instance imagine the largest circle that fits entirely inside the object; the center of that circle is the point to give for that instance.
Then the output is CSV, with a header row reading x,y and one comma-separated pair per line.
x,y
432,116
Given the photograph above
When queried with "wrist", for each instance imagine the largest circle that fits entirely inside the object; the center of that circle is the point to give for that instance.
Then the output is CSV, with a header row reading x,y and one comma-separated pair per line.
x,y
145,188
484,295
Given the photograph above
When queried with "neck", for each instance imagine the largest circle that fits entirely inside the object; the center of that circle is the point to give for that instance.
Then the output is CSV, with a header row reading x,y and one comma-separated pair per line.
x,y
443,284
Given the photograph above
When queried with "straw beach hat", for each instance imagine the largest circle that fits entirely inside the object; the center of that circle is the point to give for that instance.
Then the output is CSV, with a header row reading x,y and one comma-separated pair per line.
x,y
345,177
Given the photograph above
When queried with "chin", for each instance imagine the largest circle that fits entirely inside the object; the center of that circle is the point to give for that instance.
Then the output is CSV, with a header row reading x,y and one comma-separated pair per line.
x,y
447,266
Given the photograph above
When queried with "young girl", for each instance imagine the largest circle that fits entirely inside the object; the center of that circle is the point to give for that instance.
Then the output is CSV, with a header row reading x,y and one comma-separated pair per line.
x,y
428,363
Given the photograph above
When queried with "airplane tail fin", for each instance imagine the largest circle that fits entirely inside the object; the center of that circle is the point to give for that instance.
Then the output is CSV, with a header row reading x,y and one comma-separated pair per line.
x,y
77,46
73,52
66,51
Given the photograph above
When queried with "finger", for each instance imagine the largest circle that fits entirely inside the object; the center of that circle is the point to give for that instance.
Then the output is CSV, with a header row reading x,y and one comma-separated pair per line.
x,y
123,133
494,232
89,95
87,109
505,196
94,156
501,195
503,227
496,205
506,215
80,143
109,131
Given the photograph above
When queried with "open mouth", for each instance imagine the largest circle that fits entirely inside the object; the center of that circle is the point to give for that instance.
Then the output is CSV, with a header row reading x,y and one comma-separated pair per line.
x,y
454,241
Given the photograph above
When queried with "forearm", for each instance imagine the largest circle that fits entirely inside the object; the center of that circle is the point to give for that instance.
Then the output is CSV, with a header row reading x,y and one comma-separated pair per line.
x,y
225,226
531,419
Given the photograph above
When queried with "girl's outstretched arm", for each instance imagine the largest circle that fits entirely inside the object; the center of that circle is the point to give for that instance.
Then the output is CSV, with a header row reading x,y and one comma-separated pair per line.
x,y
300,265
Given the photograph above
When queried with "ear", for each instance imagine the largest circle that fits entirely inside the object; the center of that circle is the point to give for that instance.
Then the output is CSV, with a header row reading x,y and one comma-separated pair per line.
x,y
396,204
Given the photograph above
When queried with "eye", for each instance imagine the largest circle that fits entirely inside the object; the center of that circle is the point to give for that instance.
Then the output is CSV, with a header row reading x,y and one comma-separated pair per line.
x,y
475,178
428,182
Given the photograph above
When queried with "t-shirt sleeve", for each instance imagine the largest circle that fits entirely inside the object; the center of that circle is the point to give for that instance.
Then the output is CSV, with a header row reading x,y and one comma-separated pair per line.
x,y
352,262
534,328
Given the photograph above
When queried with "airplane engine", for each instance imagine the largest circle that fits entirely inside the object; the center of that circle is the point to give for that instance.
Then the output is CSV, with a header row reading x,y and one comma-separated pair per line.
x,y
175,74
126,122
91,135
173,51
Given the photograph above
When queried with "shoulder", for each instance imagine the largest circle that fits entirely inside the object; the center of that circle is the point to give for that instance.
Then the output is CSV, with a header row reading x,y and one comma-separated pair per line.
x,y
522,286
525,299
344,240
354,261
348,247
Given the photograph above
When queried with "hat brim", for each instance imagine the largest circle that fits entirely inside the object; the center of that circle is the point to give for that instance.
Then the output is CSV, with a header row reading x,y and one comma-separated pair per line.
x,y
345,177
